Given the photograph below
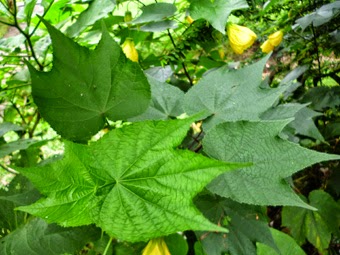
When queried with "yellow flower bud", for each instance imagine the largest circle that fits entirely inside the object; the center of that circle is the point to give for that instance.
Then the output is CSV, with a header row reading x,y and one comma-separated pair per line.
x,y
128,16
156,246
267,47
189,19
129,49
240,37
276,38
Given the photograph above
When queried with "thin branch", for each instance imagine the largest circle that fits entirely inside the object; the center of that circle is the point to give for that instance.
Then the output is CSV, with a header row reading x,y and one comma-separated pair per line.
x,y
18,111
8,169
8,24
31,132
183,65
36,27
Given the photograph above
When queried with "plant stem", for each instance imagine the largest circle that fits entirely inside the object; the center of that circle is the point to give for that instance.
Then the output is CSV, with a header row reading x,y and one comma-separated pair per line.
x,y
182,62
8,169
108,246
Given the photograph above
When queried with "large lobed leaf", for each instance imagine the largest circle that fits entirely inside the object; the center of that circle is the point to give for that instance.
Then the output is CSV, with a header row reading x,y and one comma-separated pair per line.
x,y
85,87
274,159
133,183
231,95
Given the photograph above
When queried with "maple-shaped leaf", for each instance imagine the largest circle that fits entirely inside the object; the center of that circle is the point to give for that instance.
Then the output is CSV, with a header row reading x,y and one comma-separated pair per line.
x,y
133,183
216,12
85,87
274,159
231,95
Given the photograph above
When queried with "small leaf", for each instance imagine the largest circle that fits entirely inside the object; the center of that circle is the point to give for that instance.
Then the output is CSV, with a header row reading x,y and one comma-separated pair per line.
x,y
166,102
85,87
7,126
274,159
155,12
284,242
133,183
216,12
97,9
23,144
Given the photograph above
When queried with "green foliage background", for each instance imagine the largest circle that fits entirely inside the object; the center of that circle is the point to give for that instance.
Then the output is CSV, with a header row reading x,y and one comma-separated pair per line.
x,y
216,152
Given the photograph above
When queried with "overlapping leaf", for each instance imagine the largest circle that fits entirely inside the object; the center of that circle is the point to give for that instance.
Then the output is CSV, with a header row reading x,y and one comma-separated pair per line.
x,y
315,226
216,12
246,225
228,95
133,183
85,87
274,159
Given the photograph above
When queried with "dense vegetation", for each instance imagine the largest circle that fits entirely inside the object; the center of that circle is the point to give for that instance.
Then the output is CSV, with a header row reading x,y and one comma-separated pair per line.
x,y
169,127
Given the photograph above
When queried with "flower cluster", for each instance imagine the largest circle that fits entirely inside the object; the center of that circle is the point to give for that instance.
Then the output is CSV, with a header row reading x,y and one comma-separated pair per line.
x,y
241,38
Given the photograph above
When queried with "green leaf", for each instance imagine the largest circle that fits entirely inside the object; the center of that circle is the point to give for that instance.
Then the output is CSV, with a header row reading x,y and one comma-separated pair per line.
x,y
7,126
159,26
19,192
23,144
216,12
97,9
274,159
316,226
133,183
284,242
177,244
155,12
166,102
231,95
246,225
85,87
37,237
322,97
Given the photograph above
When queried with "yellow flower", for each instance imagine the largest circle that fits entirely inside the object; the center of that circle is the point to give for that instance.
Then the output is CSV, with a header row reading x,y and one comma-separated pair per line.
x,y
156,246
240,37
189,19
272,41
276,38
267,47
129,49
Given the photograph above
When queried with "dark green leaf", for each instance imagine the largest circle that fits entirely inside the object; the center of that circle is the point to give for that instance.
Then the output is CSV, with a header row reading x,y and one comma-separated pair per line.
x,y
315,226
8,148
244,222
138,189
216,12
37,237
177,244
85,87
159,26
274,159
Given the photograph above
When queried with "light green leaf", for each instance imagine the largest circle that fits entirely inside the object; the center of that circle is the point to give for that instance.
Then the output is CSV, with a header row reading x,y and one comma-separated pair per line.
x,y
133,183
166,102
315,226
228,95
155,12
85,87
37,237
274,159
284,242
216,12
246,225
97,9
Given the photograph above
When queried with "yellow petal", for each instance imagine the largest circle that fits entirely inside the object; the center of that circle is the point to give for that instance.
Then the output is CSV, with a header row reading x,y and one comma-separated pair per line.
x,y
267,47
129,49
156,246
276,38
189,19
240,37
